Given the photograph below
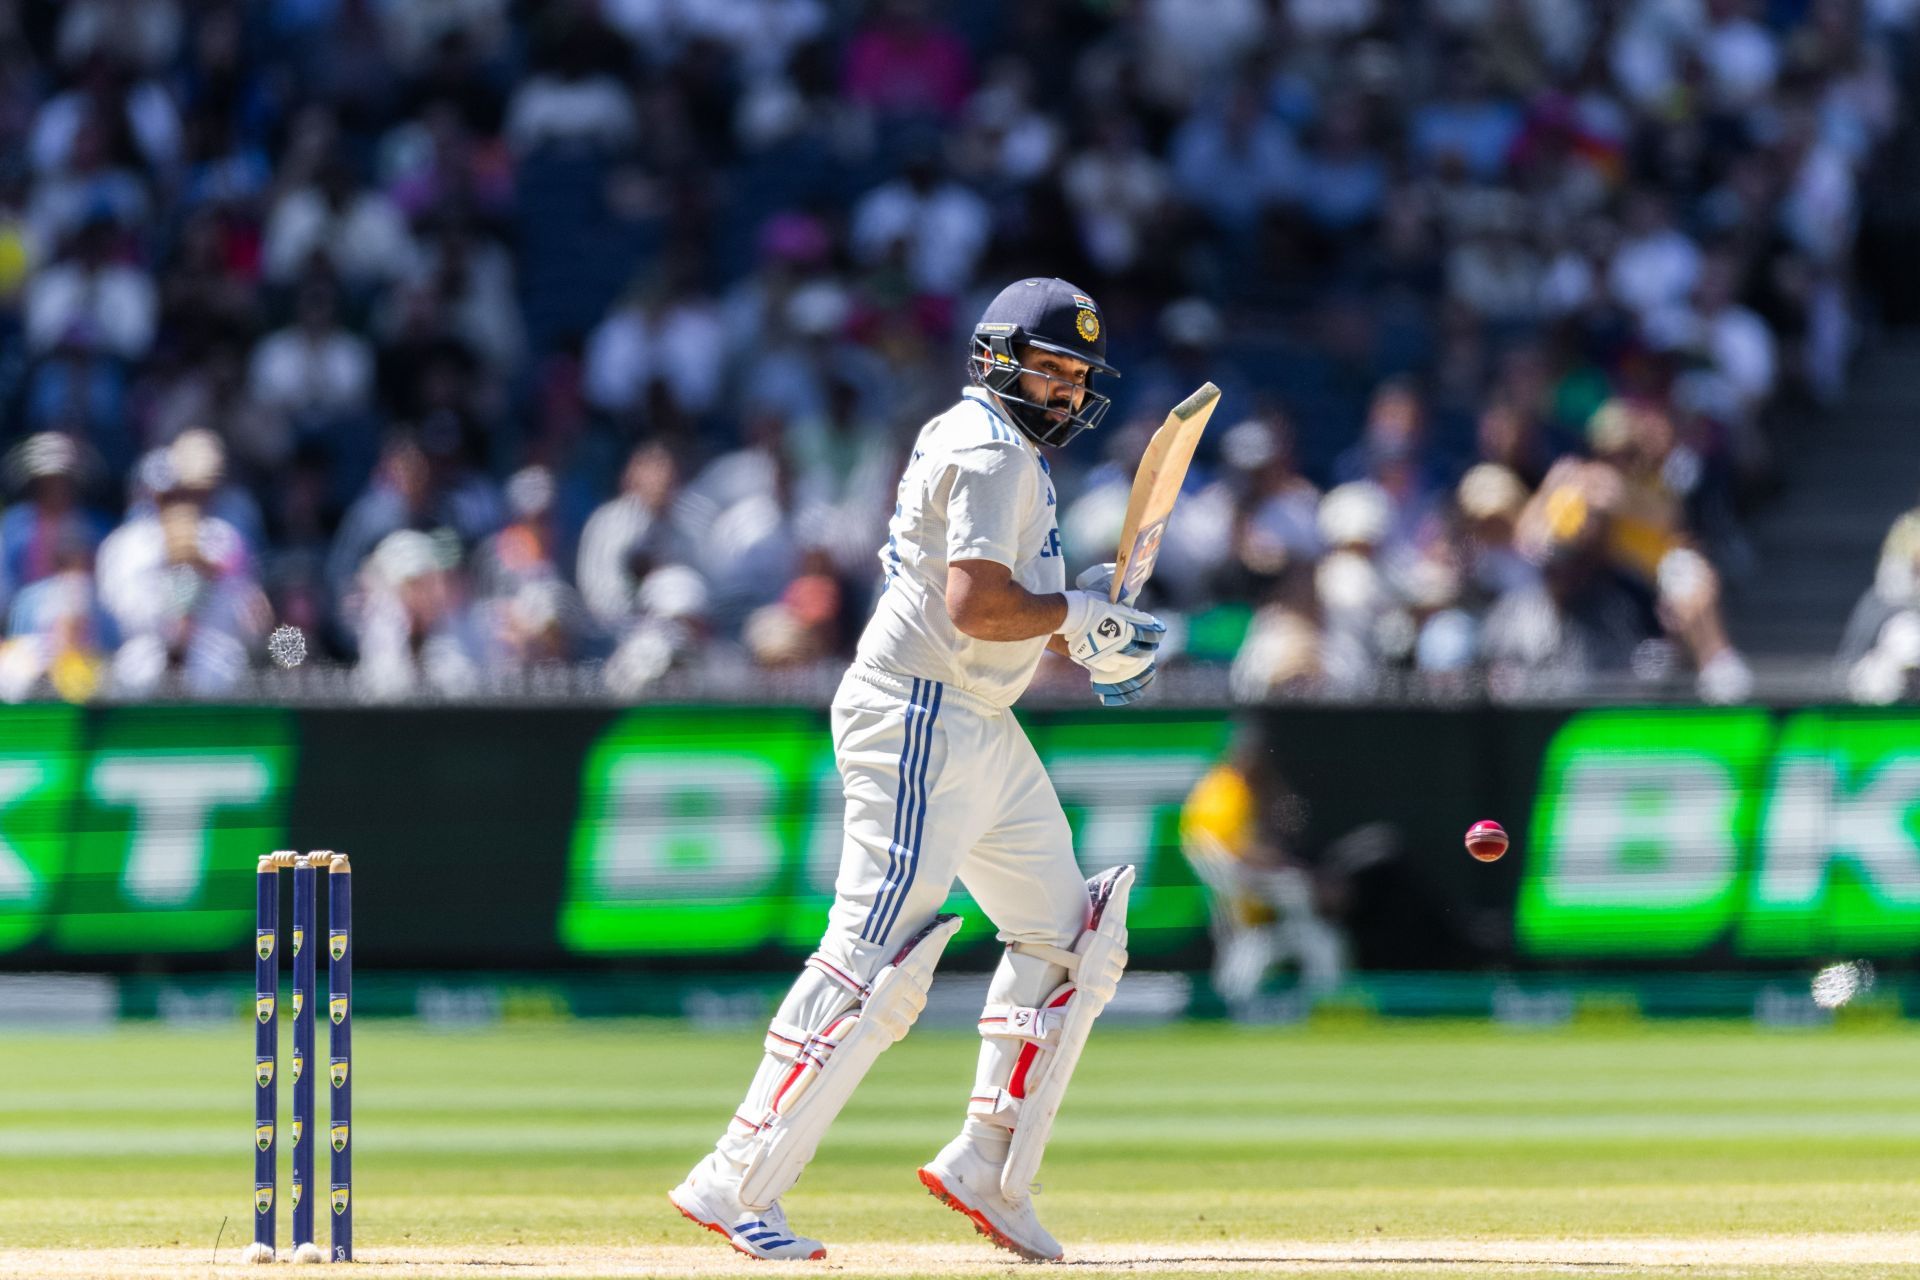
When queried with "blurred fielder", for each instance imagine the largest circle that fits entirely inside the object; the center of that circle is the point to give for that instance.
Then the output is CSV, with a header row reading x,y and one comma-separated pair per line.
x,y
940,782
1240,829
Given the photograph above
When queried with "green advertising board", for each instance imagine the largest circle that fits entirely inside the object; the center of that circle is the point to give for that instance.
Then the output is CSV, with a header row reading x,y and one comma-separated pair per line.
x,y
1675,834
719,832
128,832
702,838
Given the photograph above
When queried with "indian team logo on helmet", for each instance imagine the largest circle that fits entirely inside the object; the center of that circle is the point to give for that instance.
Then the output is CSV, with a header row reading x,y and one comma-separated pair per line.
x,y
299,1064
263,1136
263,943
340,1195
339,1072
299,939
263,1198
299,1127
337,944
337,1009
263,1008
1087,324
339,1135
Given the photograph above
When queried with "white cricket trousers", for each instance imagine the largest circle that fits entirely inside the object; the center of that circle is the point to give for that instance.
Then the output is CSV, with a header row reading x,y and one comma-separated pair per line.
x,y
939,784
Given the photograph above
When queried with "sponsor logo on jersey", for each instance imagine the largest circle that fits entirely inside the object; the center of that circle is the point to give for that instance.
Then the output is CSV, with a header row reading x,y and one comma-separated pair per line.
x,y
263,1136
339,1135
339,1072
337,944
263,943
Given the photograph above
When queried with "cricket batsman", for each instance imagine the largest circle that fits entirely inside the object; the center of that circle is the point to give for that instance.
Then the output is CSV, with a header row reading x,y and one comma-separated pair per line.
x,y
940,782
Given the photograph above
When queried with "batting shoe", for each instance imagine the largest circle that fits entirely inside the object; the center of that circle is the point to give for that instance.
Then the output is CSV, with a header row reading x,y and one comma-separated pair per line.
x,y
967,1182
710,1201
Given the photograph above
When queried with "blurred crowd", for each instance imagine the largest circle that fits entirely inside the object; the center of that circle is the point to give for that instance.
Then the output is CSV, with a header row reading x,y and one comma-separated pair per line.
x,y
472,336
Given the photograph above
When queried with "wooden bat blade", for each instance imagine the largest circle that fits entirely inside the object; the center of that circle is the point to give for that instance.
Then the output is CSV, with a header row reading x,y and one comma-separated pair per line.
x,y
1156,487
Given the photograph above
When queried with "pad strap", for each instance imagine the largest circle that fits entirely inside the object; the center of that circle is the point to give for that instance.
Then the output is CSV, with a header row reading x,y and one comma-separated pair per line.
x,y
785,1039
838,976
1068,960
1017,1022
996,1106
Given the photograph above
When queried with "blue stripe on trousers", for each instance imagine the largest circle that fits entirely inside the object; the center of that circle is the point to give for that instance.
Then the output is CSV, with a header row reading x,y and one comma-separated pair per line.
x,y
920,742
891,913
901,808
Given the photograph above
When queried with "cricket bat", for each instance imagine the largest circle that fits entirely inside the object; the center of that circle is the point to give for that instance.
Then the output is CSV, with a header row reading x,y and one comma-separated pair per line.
x,y
1156,486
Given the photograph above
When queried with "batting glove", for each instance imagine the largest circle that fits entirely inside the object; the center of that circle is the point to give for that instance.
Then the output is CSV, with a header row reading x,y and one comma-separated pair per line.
x,y
1096,629
1120,693
1097,579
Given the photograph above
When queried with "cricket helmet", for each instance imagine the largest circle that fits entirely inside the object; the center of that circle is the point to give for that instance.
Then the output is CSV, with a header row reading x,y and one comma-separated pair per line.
x,y
1051,315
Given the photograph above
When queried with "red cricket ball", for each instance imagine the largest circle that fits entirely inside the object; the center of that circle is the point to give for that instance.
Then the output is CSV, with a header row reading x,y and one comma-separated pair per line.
x,y
1486,841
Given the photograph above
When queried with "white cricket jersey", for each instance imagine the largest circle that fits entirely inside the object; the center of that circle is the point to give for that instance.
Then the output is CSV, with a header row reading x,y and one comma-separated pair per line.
x,y
974,489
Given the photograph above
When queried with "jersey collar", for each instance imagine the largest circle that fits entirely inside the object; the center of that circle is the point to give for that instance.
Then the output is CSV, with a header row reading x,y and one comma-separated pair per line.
x,y
981,397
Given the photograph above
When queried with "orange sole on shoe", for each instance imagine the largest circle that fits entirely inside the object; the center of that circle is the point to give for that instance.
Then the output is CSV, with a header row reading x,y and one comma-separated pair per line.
x,y
721,1231
931,1181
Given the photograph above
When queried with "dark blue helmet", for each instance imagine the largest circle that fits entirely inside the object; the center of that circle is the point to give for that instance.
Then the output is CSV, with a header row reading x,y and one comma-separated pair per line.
x,y
1051,315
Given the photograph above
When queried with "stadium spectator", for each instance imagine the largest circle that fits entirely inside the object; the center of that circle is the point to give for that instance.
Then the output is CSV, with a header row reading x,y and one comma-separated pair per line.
x,y
180,586
59,639
647,527
315,370
752,233
351,231
418,488
1880,651
662,348
39,532
1393,454
195,463
1579,619
574,103
416,634
1235,162
932,224
903,65
86,300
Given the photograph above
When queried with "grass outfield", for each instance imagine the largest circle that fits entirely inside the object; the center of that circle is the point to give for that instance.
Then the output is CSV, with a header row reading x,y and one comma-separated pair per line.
x,y
1694,1149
